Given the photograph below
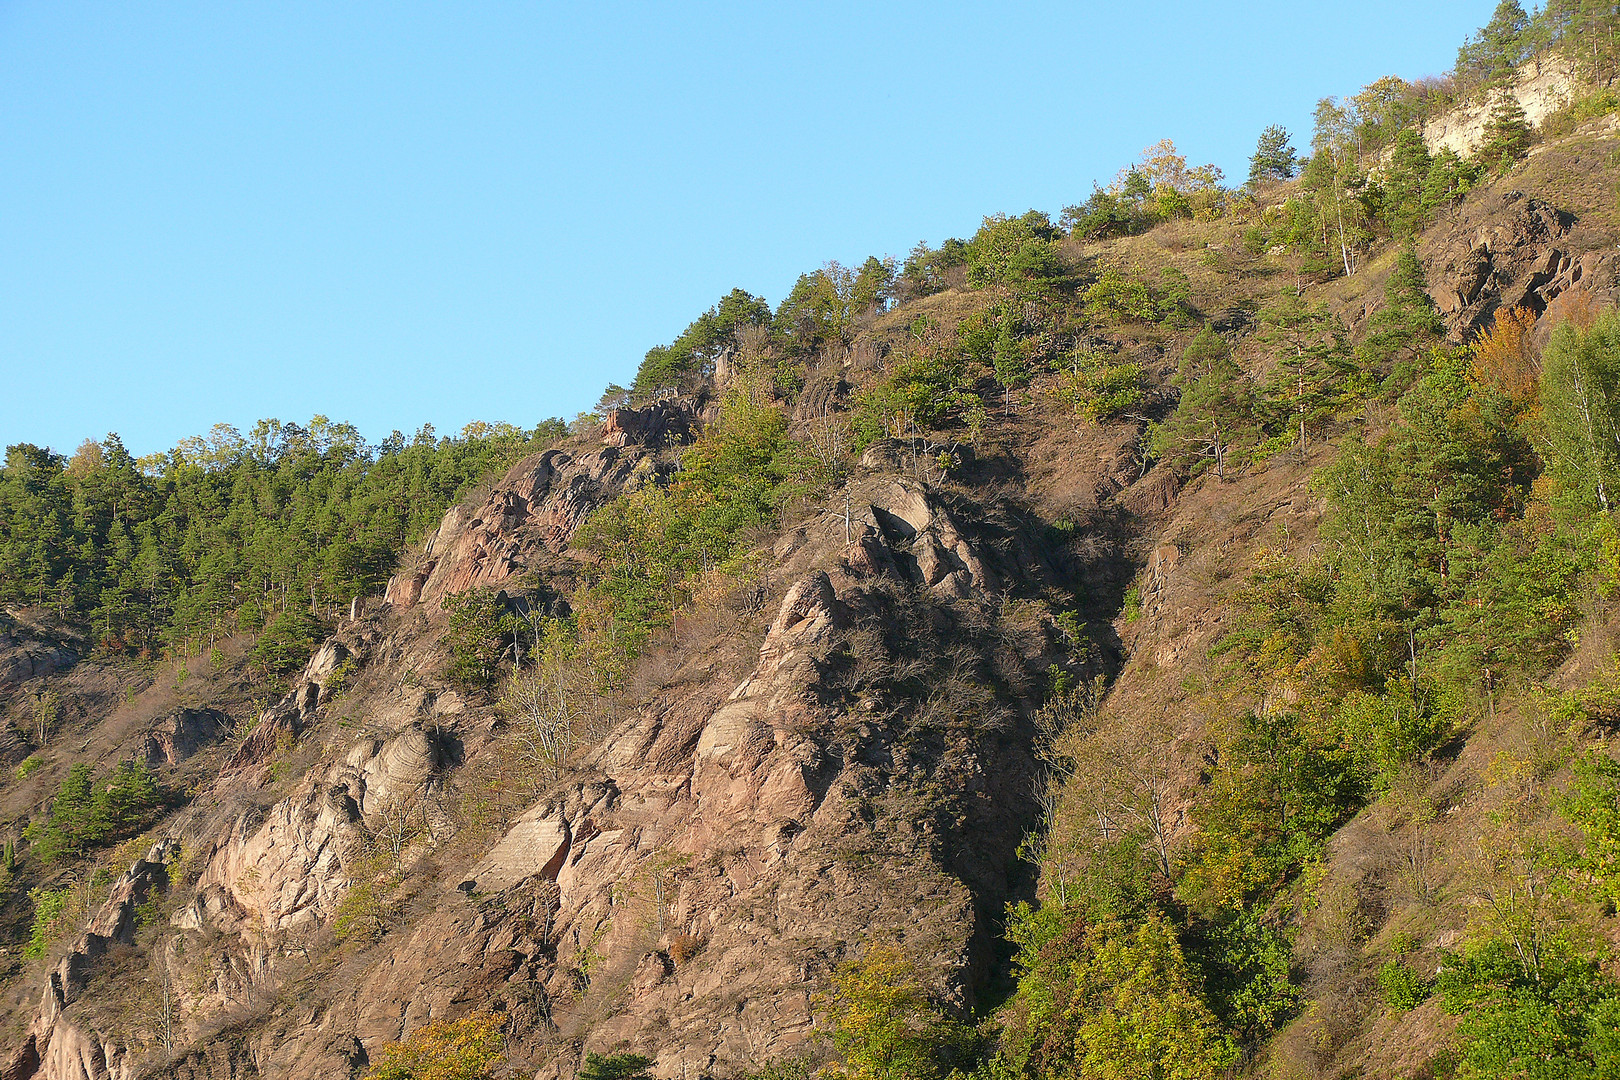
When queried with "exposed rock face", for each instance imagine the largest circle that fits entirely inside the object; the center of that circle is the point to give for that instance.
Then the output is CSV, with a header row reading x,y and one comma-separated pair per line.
x,y
663,423
1541,89
1517,258
287,868
537,506
183,733
26,656
59,1048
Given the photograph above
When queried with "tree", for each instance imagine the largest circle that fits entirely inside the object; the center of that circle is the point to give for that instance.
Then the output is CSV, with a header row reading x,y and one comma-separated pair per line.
x,y
1404,182
1407,321
1580,402
693,354
1106,1001
1495,52
1311,366
1274,158
1507,135
465,1049
884,1024
1012,365
1216,409
1334,172
874,285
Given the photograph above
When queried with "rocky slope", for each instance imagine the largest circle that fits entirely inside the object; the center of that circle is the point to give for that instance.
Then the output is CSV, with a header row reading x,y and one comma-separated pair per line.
x,y
838,752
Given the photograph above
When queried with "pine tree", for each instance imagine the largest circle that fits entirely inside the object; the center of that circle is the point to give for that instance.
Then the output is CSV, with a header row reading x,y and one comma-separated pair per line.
x,y
1501,45
1274,158
1507,135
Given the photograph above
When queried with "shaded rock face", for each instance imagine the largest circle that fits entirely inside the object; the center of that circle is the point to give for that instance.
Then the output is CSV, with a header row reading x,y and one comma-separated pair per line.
x,y
183,733
663,423
1514,258
24,657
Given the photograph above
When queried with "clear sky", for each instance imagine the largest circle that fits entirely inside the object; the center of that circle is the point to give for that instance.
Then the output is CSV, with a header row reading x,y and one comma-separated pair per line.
x,y
403,212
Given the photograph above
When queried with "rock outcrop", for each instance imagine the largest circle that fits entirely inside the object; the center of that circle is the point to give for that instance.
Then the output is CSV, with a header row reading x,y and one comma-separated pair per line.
x,y
1541,89
58,1047
538,506
1516,257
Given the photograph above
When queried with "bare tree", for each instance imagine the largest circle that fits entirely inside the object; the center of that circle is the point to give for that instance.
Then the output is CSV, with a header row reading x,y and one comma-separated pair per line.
x,y
397,825
544,704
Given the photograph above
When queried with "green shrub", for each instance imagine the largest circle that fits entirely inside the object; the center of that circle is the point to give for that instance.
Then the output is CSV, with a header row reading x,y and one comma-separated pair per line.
x,y
1098,388
49,905
86,815
1401,987
467,1049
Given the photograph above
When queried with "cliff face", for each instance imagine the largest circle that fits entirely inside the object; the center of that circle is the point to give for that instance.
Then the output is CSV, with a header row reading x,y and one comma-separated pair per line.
x,y
839,751
843,755
1541,89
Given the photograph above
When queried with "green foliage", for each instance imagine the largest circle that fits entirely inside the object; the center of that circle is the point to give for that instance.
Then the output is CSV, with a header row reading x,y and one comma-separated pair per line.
x,y
1407,321
1401,987
1245,962
1105,1000
884,1025
1007,249
29,766
1580,403
224,531
1593,805
1316,374
692,355
1098,387
286,643
819,311
1280,789
88,814
49,908
1560,1020
648,545
1404,182
1214,421
1105,214
1494,54
1274,158
615,1067
1117,298
481,627
927,270
1507,135
927,383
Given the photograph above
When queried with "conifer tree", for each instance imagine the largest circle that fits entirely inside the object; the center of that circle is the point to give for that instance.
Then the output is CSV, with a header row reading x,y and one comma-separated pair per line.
x,y
1274,158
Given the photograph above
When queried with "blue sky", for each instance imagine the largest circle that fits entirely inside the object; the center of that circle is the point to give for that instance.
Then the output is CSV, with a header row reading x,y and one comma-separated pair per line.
x,y
402,212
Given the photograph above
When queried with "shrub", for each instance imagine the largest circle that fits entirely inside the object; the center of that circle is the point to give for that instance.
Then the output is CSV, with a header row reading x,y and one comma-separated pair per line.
x,y
465,1049
480,630
615,1067
884,1024
1098,388
1401,987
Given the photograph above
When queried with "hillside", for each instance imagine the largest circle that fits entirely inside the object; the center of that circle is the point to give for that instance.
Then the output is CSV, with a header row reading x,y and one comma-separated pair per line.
x,y
1173,641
